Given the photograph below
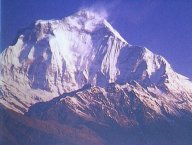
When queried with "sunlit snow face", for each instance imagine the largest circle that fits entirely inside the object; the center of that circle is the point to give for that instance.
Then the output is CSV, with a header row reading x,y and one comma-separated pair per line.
x,y
71,44
72,35
63,41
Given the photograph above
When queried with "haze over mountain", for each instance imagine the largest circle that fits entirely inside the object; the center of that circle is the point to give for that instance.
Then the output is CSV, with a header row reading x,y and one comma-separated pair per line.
x,y
80,72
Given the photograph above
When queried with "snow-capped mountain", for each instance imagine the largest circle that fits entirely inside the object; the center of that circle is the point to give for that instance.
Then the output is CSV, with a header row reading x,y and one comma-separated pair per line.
x,y
58,56
76,81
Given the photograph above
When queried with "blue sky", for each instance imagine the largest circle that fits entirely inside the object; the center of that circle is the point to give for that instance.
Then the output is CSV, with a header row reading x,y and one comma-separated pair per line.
x,y
163,26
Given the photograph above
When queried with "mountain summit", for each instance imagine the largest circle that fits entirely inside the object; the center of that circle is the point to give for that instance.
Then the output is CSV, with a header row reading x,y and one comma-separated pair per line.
x,y
76,81
58,56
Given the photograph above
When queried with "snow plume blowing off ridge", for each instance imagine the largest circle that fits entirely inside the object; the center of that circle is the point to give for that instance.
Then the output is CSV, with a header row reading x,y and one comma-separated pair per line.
x,y
98,10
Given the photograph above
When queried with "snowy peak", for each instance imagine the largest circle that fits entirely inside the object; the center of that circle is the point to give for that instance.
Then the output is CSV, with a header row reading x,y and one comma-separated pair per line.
x,y
57,56
90,82
82,21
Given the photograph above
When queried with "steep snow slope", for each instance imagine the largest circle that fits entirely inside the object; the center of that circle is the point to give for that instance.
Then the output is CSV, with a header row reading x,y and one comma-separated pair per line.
x,y
58,56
